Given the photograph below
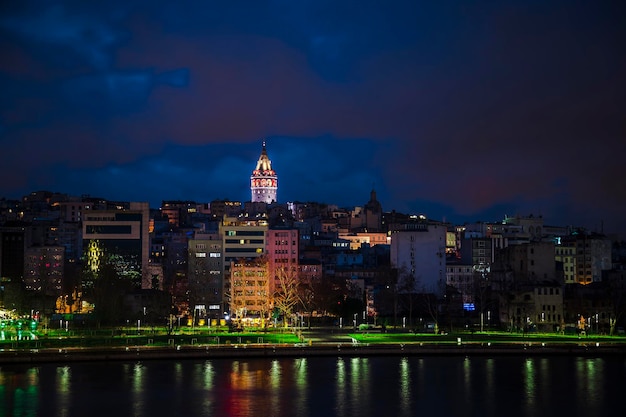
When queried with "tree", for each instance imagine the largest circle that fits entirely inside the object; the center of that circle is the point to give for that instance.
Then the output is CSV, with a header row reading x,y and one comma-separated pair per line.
x,y
43,298
71,285
482,292
617,295
286,290
407,284
350,306
14,296
108,293
307,297
430,304
386,293
326,293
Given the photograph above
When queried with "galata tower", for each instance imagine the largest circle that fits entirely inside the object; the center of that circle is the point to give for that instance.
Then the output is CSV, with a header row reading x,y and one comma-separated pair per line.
x,y
263,181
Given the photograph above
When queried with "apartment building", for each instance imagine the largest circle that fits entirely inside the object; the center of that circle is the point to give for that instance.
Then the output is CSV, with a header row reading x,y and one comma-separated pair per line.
x,y
420,253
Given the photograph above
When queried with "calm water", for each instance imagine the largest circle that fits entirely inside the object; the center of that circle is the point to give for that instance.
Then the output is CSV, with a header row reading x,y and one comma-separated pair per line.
x,y
375,386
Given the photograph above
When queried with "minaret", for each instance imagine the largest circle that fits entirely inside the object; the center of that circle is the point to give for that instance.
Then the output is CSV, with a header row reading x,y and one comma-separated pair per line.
x,y
263,181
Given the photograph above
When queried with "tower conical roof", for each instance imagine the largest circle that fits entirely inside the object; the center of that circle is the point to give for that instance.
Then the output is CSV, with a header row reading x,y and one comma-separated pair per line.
x,y
264,163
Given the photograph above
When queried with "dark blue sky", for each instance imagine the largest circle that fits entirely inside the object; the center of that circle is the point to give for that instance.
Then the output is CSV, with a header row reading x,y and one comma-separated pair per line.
x,y
459,110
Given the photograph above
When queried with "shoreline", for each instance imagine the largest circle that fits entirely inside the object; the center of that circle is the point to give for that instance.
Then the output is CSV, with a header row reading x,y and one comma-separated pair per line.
x,y
182,352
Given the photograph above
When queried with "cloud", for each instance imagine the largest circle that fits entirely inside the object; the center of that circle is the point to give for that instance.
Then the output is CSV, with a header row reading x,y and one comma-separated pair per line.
x,y
90,35
446,109
122,92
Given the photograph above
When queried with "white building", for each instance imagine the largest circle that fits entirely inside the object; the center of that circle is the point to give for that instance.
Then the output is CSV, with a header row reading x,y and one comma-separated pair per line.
x,y
419,253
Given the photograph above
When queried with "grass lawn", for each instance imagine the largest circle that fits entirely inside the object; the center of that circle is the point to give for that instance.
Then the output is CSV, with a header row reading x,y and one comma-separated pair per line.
x,y
147,337
155,336
483,337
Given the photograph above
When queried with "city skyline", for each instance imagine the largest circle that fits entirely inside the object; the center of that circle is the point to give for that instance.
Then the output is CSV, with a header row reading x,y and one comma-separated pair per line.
x,y
461,113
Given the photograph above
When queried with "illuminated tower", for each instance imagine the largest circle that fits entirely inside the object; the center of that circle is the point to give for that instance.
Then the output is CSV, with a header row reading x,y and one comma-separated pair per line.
x,y
263,181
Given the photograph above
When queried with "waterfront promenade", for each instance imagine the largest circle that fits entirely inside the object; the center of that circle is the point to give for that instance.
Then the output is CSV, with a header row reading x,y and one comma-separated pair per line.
x,y
299,343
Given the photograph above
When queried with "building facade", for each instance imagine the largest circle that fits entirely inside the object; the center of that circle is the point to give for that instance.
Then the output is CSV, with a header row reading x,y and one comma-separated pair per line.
x,y
121,233
565,254
206,276
15,238
44,269
282,253
593,256
250,293
242,239
420,254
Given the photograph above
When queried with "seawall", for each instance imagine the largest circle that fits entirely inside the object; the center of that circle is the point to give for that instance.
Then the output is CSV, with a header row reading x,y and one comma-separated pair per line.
x,y
142,353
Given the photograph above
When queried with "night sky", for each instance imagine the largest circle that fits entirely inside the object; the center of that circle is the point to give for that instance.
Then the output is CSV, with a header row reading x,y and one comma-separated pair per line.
x,y
460,110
